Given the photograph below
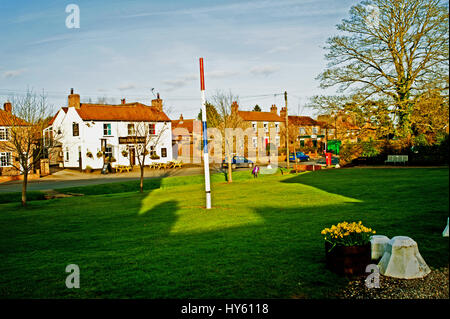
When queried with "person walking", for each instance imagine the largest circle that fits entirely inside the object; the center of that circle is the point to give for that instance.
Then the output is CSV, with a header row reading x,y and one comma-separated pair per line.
x,y
255,171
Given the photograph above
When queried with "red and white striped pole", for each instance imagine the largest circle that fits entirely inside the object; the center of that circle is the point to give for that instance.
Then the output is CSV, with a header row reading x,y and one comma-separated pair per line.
x,y
205,138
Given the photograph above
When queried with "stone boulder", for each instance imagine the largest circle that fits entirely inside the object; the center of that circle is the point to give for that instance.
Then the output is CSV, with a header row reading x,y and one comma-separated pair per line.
x,y
402,259
445,232
378,243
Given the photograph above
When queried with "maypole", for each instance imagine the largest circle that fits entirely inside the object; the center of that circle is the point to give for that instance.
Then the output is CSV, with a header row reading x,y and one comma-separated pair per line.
x,y
205,137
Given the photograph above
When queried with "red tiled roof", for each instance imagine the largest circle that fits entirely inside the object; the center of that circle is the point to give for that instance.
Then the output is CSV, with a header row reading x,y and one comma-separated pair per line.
x,y
122,112
260,116
8,119
187,124
302,120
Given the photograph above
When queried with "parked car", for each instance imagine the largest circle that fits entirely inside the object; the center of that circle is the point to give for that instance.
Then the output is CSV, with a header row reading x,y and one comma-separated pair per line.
x,y
238,161
299,156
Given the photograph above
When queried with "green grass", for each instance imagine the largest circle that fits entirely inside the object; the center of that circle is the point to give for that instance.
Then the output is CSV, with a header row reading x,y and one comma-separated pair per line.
x,y
17,197
261,239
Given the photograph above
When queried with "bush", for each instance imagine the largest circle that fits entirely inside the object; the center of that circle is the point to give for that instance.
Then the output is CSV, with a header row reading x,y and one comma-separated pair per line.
x,y
349,152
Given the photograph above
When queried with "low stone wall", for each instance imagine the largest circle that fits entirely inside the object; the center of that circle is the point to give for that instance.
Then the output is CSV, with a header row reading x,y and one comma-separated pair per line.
x,y
304,167
4,179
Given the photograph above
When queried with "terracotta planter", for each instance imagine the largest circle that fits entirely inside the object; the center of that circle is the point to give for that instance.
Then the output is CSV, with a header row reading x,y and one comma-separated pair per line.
x,y
348,260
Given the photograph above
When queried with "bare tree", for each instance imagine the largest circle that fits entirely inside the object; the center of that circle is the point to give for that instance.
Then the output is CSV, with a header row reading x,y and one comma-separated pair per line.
x,y
146,137
227,118
392,48
25,126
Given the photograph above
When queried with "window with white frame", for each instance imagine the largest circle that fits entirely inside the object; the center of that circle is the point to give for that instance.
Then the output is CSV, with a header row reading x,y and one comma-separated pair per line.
x,y
302,131
152,151
277,127
108,151
266,127
254,126
315,130
277,141
163,152
131,130
107,129
5,159
4,134
75,129
152,129
255,141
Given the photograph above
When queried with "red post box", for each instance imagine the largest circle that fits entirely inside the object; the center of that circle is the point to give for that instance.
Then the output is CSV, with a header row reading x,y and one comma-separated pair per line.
x,y
328,158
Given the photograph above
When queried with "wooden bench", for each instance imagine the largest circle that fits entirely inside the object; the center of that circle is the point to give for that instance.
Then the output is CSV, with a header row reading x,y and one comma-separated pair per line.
x,y
402,159
177,164
121,168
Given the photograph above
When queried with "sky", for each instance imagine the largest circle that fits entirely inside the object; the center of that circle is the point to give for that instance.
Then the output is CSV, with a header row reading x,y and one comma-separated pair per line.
x,y
124,49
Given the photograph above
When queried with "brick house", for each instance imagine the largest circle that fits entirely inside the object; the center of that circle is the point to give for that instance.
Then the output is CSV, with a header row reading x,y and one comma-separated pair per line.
x,y
262,121
308,132
9,160
186,138
344,127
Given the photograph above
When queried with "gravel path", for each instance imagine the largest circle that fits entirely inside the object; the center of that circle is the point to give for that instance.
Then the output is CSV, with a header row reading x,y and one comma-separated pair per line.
x,y
433,286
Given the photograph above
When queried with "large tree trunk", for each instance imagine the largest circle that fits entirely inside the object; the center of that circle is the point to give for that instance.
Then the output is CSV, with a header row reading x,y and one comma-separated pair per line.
x,y
141,185
24,189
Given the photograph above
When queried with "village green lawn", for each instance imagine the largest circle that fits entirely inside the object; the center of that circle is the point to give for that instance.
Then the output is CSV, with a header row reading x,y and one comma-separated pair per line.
x,y
261,239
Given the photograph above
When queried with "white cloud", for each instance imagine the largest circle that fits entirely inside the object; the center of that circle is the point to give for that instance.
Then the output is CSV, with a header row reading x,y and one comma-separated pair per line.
x,y
127,86
180,82
13,73
278,49
221,74
265,70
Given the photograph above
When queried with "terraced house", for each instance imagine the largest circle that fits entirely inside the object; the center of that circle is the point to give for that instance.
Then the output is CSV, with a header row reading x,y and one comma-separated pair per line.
x,y
262,121
86,134
307,131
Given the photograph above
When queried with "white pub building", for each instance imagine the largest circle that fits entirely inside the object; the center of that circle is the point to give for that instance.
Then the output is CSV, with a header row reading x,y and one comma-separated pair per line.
x,y
85,135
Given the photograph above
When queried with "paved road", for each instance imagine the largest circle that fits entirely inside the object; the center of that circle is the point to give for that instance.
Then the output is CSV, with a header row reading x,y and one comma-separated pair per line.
x,y
72,178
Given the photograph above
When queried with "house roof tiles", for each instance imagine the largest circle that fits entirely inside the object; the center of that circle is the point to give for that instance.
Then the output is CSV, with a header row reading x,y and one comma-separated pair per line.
x,y
260,116
132,112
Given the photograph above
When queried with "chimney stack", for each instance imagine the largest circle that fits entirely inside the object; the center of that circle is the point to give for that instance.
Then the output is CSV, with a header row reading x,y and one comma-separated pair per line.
x,y
8,107
123,101
283,112
273,109
181,117
73,100
157,103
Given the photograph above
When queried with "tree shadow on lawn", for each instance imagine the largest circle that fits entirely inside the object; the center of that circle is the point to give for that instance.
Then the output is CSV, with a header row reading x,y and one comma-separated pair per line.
x,y
394,202
282,257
